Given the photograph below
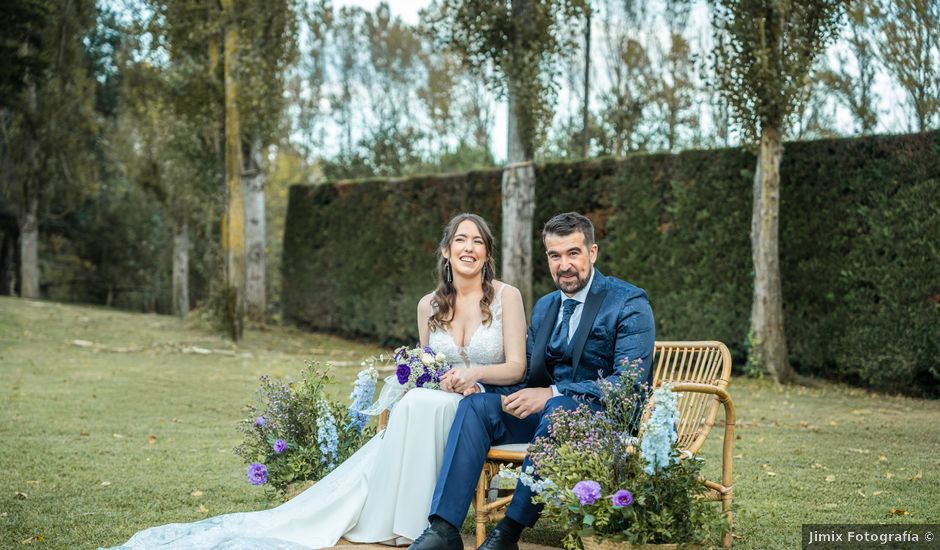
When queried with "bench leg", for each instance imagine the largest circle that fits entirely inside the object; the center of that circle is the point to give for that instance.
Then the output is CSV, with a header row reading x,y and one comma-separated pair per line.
x,y
726,509
480,507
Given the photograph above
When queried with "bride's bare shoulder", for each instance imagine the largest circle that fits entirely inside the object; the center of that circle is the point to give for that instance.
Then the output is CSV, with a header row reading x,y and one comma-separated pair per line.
x,y
507,290
424,305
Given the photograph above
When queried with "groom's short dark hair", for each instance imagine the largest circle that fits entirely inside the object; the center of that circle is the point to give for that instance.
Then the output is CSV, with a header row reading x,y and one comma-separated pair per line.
x,y
566,224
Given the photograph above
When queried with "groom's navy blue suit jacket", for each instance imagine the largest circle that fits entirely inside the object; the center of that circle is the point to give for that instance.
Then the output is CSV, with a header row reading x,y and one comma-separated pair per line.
x,y
616,324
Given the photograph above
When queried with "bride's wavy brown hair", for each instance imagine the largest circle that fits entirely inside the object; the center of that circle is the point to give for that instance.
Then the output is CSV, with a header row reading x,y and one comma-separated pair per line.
x,y
445,296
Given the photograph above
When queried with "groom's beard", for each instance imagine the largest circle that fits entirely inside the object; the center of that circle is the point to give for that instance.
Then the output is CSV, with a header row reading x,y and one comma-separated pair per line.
x,y
570,287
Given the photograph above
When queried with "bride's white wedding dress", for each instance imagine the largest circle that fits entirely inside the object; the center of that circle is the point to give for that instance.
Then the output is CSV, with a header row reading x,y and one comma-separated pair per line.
x,y
382,493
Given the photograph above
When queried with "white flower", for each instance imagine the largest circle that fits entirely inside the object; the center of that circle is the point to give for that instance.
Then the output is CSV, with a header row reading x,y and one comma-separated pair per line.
x,y
441,357
427,359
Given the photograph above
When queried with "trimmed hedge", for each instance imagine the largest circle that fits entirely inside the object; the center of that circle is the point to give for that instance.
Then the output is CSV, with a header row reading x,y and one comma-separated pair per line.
x,y
358,257
859,254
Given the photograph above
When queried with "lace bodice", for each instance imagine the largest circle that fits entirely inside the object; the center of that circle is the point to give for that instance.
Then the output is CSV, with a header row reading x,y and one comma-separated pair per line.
x,y
485,346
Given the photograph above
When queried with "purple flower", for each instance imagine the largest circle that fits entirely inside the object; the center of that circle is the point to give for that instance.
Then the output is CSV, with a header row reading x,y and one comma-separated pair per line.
x,y
587,491
280,446
422,380
622,498
403,372
260,422
429,351
257,474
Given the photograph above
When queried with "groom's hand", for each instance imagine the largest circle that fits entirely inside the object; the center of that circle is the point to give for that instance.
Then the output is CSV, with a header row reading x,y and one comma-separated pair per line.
x,y
527,401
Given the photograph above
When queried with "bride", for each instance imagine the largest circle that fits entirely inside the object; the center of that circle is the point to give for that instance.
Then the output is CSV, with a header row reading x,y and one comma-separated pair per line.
x,y
383,492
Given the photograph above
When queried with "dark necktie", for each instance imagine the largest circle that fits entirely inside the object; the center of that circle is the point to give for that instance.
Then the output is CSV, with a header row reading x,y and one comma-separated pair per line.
x,y
559,340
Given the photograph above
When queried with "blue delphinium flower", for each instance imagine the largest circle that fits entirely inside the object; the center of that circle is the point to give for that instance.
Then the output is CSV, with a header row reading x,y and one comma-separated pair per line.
x,y
361,397
529,479
280,446
659,433
257,474
587,491
327,436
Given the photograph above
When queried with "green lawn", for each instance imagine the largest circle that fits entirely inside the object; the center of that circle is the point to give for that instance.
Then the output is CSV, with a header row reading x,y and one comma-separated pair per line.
x,y
84,389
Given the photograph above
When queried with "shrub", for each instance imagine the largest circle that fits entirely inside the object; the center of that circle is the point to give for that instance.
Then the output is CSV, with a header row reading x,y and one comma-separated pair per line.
x,y
296,434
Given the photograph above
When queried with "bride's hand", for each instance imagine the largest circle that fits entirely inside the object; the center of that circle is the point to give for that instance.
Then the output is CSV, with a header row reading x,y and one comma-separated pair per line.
x,y
446,384
460,379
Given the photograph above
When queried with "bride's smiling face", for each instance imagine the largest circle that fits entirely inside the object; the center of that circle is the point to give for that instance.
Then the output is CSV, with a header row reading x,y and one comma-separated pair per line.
x,y
467,251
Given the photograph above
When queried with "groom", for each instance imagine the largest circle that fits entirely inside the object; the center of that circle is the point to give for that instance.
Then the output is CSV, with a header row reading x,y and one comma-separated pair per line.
x,y
577,335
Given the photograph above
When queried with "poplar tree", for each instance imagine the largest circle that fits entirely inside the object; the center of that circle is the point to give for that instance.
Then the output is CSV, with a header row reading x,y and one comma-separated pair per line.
x,y
764,50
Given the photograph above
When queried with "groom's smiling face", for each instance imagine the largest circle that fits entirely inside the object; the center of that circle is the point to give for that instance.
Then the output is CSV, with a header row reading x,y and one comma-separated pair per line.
x,y
570,260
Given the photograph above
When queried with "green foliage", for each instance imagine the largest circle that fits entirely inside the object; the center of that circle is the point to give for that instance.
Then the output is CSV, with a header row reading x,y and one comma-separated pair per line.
x,y
663,503
764,50
21,25
856,221
49,141
268,35
516,46
293,413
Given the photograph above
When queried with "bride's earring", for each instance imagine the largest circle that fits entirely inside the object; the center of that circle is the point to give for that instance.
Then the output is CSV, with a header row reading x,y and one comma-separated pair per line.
x,y
484,272
450,275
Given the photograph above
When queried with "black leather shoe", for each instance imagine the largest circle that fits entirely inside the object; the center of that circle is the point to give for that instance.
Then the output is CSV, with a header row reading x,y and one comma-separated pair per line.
x,y
432,539
498,540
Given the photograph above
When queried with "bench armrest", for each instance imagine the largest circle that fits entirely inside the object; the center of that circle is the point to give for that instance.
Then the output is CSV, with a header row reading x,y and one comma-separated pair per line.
x,y
730,418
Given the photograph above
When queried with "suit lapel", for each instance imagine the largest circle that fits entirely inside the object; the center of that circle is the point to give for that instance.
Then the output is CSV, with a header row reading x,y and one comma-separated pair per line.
x,y
539,374
591,306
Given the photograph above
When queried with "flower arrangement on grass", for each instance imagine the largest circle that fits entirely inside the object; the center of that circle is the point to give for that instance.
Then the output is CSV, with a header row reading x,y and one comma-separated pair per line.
x,y
609,475
296,433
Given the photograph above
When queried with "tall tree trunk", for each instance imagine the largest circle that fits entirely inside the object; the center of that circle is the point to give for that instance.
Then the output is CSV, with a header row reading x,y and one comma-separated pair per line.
x,y
7,256
181,269
7,275
253,176
233,236
585,112
767,336
518,201
29,208
29,248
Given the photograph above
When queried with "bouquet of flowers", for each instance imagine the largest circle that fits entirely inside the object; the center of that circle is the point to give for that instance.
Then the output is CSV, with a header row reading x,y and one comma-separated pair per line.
x,y
420,367
296,434
614,475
